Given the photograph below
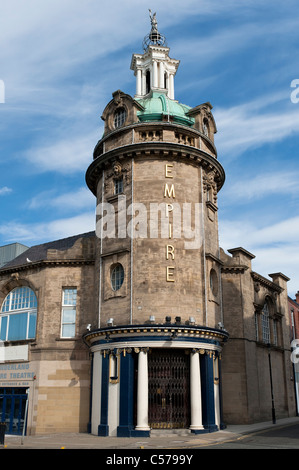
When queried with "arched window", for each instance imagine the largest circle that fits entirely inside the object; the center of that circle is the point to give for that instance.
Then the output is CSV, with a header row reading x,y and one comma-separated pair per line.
x,y
117,276
18,315
266,323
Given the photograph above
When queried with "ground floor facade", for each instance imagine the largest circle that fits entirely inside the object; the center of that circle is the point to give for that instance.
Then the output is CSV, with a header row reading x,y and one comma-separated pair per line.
x,y
147,378
45,395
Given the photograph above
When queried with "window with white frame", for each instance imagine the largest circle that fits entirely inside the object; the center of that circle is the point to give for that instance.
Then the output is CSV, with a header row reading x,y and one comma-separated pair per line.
x,y
68,316
18,315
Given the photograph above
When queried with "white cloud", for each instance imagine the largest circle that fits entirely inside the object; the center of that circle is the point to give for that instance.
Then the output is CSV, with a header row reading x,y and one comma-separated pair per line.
x,y
67,155
35,233
245,127
5,190
256,187
240,232
80,198
276,246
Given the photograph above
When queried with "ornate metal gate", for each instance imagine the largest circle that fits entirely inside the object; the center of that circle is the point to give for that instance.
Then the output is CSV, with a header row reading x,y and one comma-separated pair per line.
x,y
169,389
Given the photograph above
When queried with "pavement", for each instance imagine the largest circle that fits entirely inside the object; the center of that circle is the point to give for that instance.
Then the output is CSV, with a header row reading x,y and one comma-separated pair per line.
x,y
159,439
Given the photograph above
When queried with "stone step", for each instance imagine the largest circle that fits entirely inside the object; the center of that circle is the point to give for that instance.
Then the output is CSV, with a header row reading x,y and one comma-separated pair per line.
x,y
170,432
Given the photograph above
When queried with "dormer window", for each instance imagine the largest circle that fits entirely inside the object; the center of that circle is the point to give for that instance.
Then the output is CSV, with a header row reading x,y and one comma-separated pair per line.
x,y
119,117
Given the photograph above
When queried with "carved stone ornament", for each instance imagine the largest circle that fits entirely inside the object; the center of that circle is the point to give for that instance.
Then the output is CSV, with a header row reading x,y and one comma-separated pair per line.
x,y
257,286
209,183
117,97
117,169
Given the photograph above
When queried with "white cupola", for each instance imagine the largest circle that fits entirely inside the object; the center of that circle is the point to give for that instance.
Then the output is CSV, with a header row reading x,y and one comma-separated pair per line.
x,y
154,69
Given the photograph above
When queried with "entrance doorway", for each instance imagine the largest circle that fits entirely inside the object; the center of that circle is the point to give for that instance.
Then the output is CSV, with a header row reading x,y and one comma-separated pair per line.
x,y
169,389
12,409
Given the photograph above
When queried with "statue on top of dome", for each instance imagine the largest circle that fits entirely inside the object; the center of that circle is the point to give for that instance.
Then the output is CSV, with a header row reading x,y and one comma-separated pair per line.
x,y
154,22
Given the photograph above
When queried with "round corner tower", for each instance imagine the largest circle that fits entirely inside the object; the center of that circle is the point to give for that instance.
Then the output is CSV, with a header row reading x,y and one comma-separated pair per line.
x,y
156,176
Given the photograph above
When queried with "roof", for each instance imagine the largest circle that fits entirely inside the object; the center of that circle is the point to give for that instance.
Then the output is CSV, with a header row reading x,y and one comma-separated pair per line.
x,y
39,252
158,106
293,301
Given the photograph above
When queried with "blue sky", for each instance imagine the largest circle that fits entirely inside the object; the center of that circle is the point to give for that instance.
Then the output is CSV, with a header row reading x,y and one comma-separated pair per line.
x,y
60,63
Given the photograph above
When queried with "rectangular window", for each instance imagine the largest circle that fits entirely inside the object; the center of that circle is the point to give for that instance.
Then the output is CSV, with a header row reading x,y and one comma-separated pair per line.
x,y
68,317
17,328
3,328
118,186
265,328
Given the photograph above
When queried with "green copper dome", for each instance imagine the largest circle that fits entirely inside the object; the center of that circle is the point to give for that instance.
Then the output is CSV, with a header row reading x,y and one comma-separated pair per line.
x,y
158,107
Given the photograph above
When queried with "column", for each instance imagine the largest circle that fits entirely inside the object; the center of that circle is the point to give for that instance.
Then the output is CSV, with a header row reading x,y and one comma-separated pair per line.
x,y
195,394
217,405
171,86
155,74
161,75
138,82
216,392
142,392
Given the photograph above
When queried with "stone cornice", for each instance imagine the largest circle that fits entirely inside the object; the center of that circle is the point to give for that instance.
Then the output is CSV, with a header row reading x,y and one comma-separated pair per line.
x,y
235,269
266,282
162,149
155,330
45,263
214,258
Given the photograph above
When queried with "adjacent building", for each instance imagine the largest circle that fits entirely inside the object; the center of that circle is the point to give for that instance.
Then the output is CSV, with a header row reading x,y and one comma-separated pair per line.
x,y
11,251
294,338
145,323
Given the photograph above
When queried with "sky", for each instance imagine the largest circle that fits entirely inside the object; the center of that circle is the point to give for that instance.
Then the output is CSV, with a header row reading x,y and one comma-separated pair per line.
x,y
60,62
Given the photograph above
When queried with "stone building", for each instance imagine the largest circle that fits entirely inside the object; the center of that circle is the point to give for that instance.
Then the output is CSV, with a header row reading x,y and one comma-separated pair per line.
x,y
46,303
294,315
146,323
256,316
294,338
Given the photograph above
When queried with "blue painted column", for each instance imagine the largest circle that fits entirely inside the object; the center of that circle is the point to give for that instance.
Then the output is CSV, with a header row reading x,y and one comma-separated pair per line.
x,y
126,404
103,429
208,400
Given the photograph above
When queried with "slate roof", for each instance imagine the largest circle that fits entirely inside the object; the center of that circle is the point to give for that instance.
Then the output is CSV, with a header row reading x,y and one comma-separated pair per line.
x,y
39,252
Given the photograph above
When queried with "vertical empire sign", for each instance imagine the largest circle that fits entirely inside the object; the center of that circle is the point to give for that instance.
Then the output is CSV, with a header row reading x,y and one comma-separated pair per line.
x,y
169,192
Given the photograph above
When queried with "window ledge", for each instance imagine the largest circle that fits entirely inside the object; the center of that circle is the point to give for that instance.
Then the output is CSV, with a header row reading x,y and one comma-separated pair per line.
x,y
114,197
18,342
67,339
274,347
